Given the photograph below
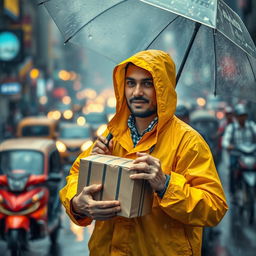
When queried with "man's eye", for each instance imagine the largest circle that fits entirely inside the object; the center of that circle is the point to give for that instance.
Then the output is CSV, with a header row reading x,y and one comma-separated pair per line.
x,y
148,84
130,83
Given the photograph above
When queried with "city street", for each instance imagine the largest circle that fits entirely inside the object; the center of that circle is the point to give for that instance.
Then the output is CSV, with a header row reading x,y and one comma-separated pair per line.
x,y
234,239
125,79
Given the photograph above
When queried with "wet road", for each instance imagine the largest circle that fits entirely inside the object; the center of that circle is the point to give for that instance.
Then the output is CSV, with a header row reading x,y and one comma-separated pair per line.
x,y
234,236
237,237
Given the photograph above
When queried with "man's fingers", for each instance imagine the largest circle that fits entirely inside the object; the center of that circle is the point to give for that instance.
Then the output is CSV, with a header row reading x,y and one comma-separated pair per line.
x,y
142,175
92,189
106,204
98,151
102,139
103,211
143,167
143,157
100,147
107,211
110,145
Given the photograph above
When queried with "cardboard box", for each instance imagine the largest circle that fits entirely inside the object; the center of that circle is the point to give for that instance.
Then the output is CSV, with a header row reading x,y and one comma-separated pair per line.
x,y
135,196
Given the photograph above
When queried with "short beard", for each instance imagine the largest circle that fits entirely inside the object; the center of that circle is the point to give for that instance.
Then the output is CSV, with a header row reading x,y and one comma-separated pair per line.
x,y
144,114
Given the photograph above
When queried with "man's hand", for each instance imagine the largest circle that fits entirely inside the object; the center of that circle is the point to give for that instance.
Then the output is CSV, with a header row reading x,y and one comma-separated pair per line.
x,y
149,168
101,147
84,205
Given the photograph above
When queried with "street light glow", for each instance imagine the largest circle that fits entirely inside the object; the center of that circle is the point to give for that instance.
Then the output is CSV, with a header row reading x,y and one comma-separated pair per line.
x,y
68,114
201,101
66,100
81,120
64,75
34,73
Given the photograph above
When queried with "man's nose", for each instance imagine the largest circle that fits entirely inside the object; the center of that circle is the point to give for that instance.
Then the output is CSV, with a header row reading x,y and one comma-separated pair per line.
x,y
138,90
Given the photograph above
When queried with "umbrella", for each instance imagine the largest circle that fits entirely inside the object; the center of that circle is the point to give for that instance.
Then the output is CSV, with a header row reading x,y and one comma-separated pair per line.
x,y
208,41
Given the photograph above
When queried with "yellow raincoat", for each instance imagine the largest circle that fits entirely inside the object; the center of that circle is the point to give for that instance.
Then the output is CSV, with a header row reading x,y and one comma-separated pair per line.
x,y
194,197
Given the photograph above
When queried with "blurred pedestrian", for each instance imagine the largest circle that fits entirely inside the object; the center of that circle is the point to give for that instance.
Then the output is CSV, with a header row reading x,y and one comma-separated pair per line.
x,y
241,131
228,119
168,153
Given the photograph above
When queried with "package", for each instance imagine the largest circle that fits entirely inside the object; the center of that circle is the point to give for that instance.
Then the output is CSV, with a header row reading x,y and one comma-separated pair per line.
x,y
135,196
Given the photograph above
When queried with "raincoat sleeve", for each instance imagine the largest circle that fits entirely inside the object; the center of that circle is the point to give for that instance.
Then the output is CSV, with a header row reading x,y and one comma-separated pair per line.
x,y
194,195
70,189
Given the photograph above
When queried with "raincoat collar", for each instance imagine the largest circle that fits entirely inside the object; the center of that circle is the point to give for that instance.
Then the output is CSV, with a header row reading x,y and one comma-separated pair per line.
x,y
162,69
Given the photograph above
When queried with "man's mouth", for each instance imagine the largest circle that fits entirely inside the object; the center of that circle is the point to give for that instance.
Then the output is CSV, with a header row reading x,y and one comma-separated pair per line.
x,y
138,101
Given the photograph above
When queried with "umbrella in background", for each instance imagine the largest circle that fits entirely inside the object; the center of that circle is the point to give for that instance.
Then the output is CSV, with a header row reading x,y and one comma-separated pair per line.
x,y
208,41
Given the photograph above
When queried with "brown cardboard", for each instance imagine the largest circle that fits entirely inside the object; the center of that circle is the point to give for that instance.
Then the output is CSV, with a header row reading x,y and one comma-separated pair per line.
x,y
135,196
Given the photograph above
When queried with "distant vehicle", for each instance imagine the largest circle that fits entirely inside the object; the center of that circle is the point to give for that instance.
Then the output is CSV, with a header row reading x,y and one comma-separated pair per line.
x,y
217,105
30,178
65,110
37,126
72,140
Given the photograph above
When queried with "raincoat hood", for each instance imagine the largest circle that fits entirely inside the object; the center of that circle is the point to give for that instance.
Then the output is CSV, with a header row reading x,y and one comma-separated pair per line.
x,y
162,68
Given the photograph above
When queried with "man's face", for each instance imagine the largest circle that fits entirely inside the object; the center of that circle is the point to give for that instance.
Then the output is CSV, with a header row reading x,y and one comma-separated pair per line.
x,y
229,117
241,119
140,92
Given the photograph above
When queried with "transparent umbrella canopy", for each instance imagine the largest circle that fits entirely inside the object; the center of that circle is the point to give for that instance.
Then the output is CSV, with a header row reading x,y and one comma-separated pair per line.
x,y
209,43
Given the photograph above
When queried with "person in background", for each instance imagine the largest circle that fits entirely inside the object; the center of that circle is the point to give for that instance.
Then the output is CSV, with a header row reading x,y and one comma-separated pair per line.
x,y
167,152
240,131
182,112
228,119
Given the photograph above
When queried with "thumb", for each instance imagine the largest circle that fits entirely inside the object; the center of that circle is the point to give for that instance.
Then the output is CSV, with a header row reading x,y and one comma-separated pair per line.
x,y
92,189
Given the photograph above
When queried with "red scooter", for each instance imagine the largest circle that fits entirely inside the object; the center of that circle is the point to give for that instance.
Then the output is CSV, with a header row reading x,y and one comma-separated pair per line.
x,y
24,210
30,178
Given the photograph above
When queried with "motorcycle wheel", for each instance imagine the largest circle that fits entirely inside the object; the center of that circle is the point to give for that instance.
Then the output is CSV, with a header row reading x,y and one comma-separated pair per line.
x,y
250,204
17,242
247,209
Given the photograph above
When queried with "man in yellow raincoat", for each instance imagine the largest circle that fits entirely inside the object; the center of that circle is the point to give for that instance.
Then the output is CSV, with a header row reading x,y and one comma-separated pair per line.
x,y
172,156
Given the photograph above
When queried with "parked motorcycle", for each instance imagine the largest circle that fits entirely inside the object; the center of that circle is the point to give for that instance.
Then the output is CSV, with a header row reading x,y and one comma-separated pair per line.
x,y
29,204
245,180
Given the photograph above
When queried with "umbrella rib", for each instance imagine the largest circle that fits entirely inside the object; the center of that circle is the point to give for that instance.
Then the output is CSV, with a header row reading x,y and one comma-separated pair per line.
x,y
161,32
215,62
192,39
76,32
251,67
43,1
